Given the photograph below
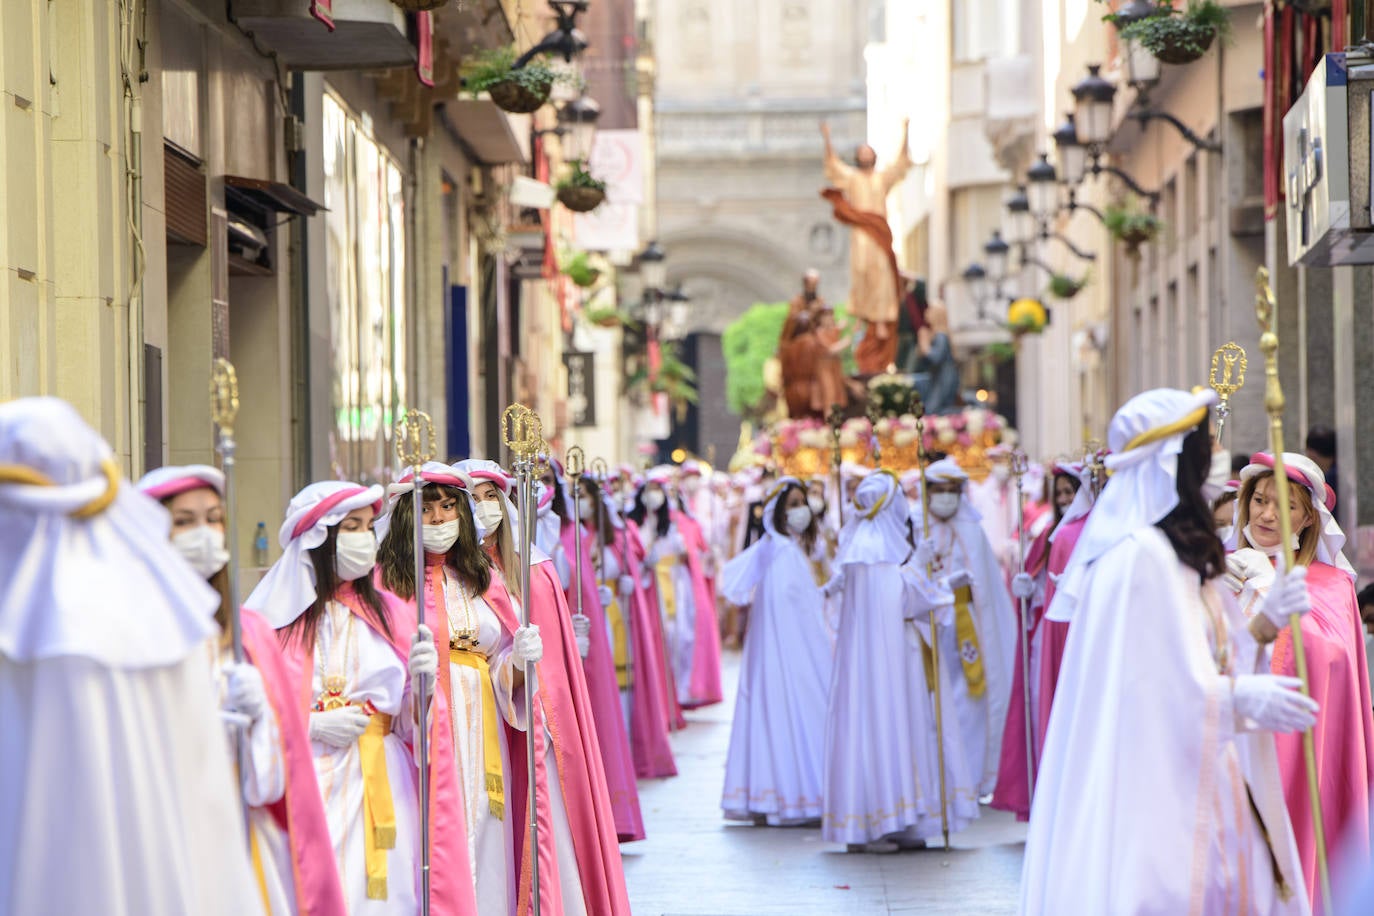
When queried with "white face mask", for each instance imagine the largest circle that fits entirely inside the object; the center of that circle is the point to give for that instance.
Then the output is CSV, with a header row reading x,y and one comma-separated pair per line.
x,y
944,505
439,538
1224,533
999,471
203,548
355,554
817,505
653,500
799,519
586,511
489,515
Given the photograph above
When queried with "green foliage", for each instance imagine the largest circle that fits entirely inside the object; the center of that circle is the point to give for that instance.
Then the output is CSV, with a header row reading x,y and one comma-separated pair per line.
x,y
675,378
607,317
1191,29
1062,286
578,267
495,65
1130,224
581,178
748,342
1000,352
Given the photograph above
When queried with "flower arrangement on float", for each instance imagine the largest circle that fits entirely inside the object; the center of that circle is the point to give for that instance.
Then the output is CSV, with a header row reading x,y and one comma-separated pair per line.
x,y
806,447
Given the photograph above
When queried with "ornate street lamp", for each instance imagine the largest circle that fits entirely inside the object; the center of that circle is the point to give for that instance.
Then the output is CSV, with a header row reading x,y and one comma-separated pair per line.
x,y
976,279
1042,188
1020,223
997,251
651,267
1072,155
578,118
1092,97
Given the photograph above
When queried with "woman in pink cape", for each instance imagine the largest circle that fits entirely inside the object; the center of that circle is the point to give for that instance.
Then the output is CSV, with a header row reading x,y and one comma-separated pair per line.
x,y
353,656
1334,644
486,655
599,663
704,687
1013,792
580,870
294,859
650,718
648,587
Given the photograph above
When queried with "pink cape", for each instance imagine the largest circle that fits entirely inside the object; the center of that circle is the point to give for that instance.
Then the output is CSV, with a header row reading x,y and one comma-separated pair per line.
x,y
567,710
1054,634
669,681
1013,792
1344,733
451,892
704,688
604,690
649,716
300,811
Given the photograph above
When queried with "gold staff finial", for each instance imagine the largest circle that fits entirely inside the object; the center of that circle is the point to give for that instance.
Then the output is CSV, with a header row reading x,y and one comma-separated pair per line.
x,y
600,470
414,438
224,395
522,431
575,463
1230,359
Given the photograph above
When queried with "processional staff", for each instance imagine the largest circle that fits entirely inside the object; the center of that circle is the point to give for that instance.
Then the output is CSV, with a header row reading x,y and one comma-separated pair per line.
x,y
415,446
918,410
523,434
1266,309
1020,464
1230,359
224,409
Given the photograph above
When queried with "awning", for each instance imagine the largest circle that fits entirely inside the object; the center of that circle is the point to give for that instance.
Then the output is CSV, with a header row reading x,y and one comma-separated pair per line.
x,y
485,130
272,195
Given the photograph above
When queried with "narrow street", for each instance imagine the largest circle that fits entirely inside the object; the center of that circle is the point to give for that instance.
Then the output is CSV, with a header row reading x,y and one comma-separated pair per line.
x,y
696,864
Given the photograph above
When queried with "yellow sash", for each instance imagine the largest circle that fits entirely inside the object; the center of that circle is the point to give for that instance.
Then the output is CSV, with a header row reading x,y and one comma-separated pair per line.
x,y
966,636
379,816
491,739
664,571
620,648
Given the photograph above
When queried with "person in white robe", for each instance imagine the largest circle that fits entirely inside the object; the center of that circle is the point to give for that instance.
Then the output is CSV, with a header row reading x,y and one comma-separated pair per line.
x,y
774,770
486,661
666,565
882,789
983,637
109,802
334,623
1159,788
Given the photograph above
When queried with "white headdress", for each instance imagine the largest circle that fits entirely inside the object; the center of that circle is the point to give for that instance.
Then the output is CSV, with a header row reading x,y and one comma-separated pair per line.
x,y
1304,472
288,589
880,532
86,567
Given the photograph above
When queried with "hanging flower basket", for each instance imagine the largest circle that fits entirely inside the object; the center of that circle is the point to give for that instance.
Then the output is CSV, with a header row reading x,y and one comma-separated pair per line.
x,y
418,6
581,200
1177,36
1177,49
1062,286
1131,226
520,98
1027,316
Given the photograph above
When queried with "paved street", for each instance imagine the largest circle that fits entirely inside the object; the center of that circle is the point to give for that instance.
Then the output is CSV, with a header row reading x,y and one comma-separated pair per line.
x,y
696,864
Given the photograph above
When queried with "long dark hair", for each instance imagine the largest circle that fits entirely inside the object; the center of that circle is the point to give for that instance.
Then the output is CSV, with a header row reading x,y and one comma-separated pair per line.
x,y
661,521
396,556
327,584
1053,495
560,505
807,537
1189,526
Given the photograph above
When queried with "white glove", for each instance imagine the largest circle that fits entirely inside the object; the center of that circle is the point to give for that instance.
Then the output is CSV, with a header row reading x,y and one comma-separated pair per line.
x,y
1287,596
606,595
924,554
338,727
1248,566
246,693
1022,585
1273,703
831,588
529,647
958,579
424,659
582,630
626,585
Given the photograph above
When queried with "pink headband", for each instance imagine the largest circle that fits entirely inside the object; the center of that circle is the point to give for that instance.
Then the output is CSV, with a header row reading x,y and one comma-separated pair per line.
x,y
178,485
496,477
1293,474
548,497
447,480
329,502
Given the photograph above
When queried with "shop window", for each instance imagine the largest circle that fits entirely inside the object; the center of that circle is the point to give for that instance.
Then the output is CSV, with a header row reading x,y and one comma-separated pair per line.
x,y
365,285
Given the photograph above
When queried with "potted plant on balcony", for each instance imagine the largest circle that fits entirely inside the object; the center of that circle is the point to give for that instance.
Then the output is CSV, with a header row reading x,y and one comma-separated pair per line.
x,y
607,317
1132,226
418,6
1063,286
578,268
1027,316
1177,36
579,191
519,91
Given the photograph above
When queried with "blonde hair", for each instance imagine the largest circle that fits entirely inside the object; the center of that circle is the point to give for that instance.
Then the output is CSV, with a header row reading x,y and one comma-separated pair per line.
x,y
1310,538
